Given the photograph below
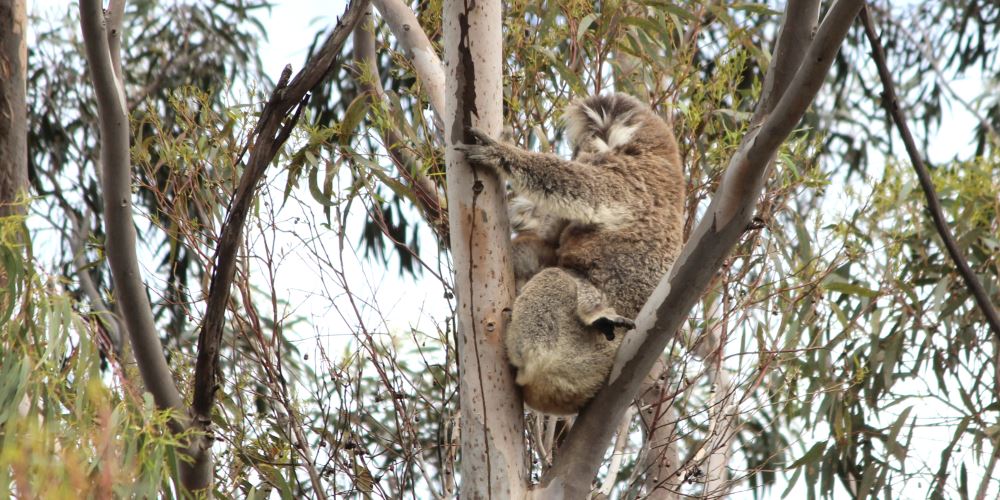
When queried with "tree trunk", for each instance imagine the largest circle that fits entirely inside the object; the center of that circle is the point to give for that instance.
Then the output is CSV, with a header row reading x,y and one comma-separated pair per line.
x,y
492,424
13,110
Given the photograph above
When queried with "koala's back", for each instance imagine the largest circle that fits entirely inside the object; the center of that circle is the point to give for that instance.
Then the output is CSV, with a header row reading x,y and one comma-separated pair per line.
x,y
621,200
627,259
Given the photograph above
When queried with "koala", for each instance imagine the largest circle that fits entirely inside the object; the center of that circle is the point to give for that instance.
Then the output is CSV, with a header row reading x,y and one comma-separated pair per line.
x,y
596,234
534,247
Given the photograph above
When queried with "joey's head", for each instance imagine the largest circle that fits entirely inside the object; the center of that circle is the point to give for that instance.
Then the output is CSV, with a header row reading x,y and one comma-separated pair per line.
x,y
614,123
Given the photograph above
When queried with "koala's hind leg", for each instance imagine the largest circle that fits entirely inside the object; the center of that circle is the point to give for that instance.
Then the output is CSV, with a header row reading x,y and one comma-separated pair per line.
x,y
594,310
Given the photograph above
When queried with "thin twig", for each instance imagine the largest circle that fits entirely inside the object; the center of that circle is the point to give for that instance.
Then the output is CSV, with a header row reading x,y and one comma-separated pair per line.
x,y
891,103
277,120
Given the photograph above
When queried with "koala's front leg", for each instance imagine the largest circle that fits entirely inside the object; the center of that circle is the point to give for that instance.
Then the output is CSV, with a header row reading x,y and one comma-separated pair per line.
x,y
567,189
486,152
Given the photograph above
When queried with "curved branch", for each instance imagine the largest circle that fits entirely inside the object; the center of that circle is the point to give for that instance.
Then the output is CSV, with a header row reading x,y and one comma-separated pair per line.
x,y
891,104
100,33
274,126
710,243
418,49
425,192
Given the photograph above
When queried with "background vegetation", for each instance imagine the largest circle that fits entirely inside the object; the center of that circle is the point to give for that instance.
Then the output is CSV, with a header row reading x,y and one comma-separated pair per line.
x,y
848,347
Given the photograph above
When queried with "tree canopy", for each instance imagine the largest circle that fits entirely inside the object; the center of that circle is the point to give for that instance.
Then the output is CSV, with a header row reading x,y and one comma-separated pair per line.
x,y
837,351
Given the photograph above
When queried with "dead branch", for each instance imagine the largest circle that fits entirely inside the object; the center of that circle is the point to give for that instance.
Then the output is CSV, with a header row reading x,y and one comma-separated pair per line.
x,y
277,119
891,104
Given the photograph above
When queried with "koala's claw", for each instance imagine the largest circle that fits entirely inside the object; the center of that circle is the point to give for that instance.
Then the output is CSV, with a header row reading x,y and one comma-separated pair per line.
x,y
607,324
478,155
480,137
482,151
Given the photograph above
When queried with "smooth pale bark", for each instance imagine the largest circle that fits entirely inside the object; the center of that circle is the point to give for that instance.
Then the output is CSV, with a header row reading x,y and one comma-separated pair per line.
x,y
13,110
418,49
425,192
99,35
711,242
661,461
102,41
492,423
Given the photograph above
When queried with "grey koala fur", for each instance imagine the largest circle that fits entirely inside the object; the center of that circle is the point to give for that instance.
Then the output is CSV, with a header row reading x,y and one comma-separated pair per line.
x,y
596,234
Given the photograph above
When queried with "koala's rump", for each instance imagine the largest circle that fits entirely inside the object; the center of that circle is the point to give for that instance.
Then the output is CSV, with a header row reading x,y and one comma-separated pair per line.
x,y
561,363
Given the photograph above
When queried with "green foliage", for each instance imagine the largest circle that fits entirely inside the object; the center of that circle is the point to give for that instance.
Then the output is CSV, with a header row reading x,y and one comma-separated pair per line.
x,y
856,359
67,427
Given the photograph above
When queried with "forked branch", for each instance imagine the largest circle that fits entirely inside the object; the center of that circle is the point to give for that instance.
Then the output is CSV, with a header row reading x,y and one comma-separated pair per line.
x,y
277,119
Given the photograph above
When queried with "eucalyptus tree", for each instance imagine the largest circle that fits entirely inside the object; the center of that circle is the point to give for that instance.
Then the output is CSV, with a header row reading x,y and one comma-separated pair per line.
x,y
792,345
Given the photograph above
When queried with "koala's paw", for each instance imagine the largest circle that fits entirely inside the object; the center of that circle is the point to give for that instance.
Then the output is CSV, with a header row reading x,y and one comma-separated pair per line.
x,y
483,151
480,137
607,324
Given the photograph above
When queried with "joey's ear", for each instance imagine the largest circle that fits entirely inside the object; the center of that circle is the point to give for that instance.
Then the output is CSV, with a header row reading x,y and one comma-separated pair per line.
x,y
608,321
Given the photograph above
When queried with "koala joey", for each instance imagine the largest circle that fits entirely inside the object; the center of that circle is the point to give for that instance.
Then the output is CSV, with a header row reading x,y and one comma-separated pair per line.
x,y
595,235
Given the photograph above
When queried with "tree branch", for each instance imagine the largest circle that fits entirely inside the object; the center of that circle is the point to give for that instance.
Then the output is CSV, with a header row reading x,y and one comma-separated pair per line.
x,y
661,461
710,243
271,132
418,49
891,104
797,26
425,192
100,33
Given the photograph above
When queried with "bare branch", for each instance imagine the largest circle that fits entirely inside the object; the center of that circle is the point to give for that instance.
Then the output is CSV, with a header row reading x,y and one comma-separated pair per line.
x,y
723,409
107,318
796,32
661,461
99,34
272,130
617,453
418,49
891,104
711,242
